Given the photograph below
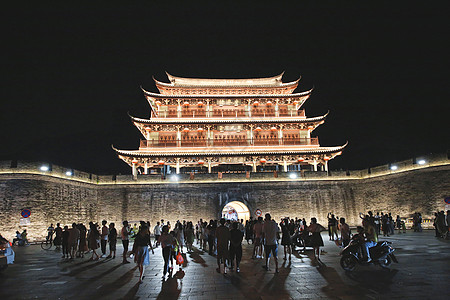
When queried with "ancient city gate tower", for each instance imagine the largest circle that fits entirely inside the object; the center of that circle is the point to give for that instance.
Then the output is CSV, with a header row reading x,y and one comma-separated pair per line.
x,y
227,125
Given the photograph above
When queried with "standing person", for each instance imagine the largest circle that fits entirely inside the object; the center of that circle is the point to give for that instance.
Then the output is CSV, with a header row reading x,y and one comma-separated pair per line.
x,y
112,238
180,235
345,232
157,233
104,237
93,240
236,237
189,234
332,223
286,237
74,236
257,231
82,247
204,235
378,223
141,256
58,236
167,242
211,236
65,242
125,233
385,224
316,239
248,231
271,234
223,238
50,231
398,224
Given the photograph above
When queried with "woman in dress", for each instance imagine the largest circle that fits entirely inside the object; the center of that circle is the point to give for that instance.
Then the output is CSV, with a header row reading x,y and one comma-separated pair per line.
x,y
180,235
316,239
141,257
189,234
286,240
94,237
167,243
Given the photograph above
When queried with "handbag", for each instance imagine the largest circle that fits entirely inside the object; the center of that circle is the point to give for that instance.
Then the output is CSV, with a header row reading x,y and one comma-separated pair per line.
x,y
179,259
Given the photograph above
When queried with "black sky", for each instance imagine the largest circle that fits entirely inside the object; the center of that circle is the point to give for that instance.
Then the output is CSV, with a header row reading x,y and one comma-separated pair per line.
x,y
70,75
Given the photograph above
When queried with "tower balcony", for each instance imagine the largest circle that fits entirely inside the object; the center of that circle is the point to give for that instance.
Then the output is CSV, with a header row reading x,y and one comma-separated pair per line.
x,y
229,112
224,142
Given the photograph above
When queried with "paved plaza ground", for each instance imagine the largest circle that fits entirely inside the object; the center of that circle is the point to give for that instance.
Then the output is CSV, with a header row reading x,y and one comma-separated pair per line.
x,y
423,272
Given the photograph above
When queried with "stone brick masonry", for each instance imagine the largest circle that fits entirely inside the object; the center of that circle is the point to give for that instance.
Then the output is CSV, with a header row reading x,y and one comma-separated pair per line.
x,y
52,199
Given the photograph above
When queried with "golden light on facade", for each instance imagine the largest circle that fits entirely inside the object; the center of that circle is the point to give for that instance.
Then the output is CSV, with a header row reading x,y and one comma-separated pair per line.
x,y
273,128
269,103
186,103
200,130
257,129
256,103
186,130
200,103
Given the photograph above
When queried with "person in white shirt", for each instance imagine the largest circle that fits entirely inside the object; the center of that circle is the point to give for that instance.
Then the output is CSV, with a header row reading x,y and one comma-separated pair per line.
x,y
157,233
271,234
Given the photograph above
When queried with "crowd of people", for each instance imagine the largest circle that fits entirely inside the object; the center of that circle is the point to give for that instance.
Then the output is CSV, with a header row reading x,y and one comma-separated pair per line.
x,y
223,238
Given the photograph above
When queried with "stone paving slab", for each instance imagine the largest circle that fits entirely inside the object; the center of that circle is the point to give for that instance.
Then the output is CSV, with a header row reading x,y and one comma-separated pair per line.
x,y
422,273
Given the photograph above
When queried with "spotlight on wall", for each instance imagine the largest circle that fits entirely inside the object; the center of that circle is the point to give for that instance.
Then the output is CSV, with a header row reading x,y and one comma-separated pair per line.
x,y
421,162
174,178
292,175
394,167
69,173
44,168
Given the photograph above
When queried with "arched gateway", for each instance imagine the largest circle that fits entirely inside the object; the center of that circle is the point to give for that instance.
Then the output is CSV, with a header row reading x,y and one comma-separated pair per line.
x,y
236,210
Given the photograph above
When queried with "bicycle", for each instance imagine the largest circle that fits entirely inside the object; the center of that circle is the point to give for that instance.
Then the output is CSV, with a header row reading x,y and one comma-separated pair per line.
x,y
49,244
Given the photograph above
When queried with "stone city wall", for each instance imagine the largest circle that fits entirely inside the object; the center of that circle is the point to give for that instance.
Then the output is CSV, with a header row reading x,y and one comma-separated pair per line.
x,y
54,199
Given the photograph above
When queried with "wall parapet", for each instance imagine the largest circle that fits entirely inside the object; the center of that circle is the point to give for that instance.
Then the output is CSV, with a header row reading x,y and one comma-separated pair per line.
x,y
23,167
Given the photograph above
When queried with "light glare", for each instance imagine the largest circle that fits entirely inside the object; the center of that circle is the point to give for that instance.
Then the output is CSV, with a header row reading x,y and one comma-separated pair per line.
x,y
44,168
421,162
69,173
393,168
292,175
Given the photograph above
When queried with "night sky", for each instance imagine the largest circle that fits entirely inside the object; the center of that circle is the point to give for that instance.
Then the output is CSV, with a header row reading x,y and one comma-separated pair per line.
x,y
70,75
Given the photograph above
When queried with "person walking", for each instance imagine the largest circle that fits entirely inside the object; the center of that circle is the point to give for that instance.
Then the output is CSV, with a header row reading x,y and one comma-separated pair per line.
x,y
167,243
189,236
65,242
223,238
112,238
316,239
58,236
157,233
236,237
258,245
345,232
93,240
74,236
286,240
271,234
82,247
125,233
104,238
141,255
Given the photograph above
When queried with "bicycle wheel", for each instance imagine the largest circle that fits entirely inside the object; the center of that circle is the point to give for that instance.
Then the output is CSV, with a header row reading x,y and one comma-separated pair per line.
x,y
46,245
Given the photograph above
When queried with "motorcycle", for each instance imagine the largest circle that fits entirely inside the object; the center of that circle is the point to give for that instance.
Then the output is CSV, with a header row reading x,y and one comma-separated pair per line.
x,y
381,254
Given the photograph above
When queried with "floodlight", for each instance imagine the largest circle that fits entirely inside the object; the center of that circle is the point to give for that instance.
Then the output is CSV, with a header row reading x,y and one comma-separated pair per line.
x,y
174,178
44,168
421,162
292,175
69,173
394,167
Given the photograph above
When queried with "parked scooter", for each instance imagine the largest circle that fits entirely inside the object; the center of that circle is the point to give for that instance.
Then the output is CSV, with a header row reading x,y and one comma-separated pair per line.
x,y
6,253
381,254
